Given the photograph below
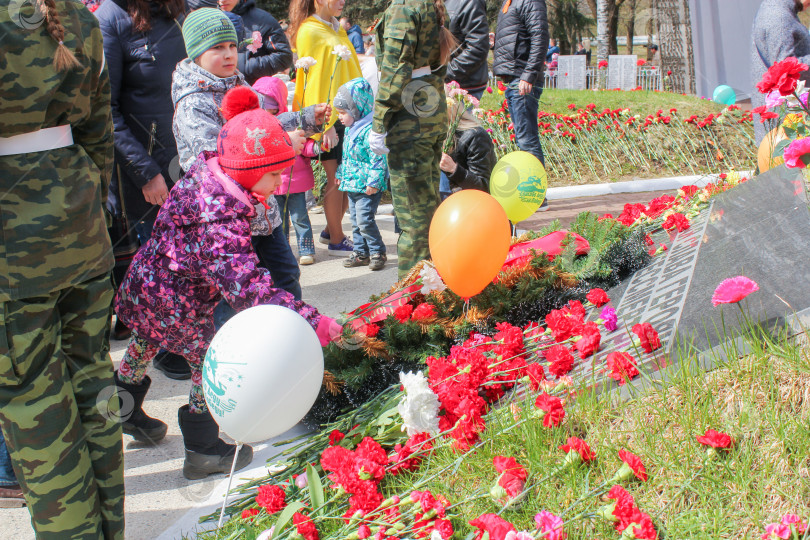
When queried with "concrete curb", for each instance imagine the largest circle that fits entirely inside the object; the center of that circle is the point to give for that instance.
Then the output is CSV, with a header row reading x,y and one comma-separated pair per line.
x,y
635,186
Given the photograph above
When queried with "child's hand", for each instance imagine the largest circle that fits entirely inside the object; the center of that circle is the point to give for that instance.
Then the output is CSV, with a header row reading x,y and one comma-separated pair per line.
x,y
330,139
447,164
298,139
323,113
371,190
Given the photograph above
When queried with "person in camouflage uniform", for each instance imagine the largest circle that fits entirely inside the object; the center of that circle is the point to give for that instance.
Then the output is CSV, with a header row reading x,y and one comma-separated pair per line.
x,y
57,395
410,115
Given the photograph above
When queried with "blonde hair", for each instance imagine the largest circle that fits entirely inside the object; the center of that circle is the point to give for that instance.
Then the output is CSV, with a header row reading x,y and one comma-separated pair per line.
x,y
63,58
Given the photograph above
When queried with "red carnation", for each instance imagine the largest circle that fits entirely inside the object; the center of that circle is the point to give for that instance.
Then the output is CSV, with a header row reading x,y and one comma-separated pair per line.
x,y
444,527
581,447
496,526
513,475
716,439
335,437
536,375
563,325
271,498
597,297
403,313
635,464
363,532
689,191
370,330
249,513
676,221
590,340
423,311
553,408
305,527
562,361
648,336
622,366
782,76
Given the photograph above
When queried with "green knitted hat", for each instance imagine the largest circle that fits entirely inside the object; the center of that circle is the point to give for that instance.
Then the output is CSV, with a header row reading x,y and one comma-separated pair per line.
x,y
205,28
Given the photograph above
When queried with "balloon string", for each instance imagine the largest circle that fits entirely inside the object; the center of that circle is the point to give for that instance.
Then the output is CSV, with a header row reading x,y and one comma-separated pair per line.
x,y
230,479
465,308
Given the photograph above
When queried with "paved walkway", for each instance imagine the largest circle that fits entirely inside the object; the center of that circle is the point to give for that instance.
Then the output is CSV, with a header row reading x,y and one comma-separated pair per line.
x,y
160,503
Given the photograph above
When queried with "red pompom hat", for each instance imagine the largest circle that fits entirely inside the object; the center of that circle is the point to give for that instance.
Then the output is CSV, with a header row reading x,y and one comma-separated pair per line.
x,y
252,142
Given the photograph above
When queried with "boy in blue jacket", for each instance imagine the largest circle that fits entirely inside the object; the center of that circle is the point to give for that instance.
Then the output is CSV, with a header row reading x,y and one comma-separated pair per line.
x,y
362,173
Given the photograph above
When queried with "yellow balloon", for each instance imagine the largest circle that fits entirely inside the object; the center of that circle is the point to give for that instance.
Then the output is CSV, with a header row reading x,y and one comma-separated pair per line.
x,y
519,183
765,153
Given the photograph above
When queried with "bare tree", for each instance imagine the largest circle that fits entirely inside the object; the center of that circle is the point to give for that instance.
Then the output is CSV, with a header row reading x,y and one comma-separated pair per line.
x,y
631,25
611,23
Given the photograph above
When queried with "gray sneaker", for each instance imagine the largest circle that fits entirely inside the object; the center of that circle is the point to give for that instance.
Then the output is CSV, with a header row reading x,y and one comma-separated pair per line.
x,y
377,261
356,259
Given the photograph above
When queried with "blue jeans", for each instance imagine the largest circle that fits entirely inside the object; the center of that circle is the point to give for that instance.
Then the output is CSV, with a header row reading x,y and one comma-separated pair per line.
x,y
144,230
296,209
365,233
274,254
444,186
7,477
523,110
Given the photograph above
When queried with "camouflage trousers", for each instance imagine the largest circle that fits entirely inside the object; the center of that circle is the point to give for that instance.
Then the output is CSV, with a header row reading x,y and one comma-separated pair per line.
x,y
414,168
56,411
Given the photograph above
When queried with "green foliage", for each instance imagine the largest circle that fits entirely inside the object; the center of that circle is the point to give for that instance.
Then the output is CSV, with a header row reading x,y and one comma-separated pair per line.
x,y
567,23
277,8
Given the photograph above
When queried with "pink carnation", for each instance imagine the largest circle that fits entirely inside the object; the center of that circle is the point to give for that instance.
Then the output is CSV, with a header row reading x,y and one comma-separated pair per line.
x,y
551,526
732,290
795,151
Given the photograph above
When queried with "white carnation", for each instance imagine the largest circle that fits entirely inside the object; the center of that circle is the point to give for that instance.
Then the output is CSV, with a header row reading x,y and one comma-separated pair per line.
x,y
431,281
419,407
342,51
305,63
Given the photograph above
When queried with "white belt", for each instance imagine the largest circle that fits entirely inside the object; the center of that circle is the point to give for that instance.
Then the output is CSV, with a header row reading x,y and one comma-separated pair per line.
x,y
37,141
421,72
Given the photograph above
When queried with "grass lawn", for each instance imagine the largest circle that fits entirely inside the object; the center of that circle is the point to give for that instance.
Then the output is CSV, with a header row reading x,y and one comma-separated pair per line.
x,y
761,399
639,102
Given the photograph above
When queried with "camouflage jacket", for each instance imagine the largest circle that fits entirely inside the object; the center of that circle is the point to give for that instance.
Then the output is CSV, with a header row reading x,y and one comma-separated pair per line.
x,y
408,39
53,232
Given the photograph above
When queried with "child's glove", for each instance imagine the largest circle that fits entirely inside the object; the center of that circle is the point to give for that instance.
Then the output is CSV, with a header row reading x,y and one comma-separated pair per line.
x,y
328,330
376,141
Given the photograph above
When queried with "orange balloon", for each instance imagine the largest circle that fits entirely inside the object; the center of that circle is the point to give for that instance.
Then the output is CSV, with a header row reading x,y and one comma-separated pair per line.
x,y
764,159
469,240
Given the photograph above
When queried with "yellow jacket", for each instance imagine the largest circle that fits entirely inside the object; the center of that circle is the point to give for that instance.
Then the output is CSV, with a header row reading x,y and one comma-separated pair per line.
x,y
317,39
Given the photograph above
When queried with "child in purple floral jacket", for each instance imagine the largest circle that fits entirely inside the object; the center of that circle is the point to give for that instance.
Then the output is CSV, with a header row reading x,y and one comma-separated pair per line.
x,y
200,253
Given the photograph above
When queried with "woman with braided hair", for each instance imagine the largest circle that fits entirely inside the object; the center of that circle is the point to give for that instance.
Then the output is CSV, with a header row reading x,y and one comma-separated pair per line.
x,y
410,115
57,395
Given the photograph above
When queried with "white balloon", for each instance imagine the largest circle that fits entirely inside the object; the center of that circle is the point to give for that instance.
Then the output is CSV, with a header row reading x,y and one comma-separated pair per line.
x,y
262,373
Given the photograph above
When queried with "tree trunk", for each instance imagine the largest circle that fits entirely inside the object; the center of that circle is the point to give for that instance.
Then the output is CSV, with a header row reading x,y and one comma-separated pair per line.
x,y
613,28
602,30
631,26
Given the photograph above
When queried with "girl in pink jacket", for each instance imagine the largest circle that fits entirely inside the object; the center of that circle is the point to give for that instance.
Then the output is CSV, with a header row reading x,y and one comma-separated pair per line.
x,y
295,180
200,252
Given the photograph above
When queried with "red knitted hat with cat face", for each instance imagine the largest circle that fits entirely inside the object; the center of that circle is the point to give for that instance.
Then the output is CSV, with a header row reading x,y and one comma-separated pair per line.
x,y
252,142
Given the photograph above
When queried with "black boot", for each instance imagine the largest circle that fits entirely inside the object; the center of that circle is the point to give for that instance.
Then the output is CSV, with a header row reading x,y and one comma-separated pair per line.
x,y
172,365
137,424
206,453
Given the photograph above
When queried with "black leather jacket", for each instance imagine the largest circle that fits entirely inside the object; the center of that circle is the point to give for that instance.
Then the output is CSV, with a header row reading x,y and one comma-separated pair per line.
x,y
521,41
468,23
475,156
275,54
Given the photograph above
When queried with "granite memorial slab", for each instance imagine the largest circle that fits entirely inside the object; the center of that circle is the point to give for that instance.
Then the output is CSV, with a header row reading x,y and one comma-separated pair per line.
x,y
571,72
759,229
622,71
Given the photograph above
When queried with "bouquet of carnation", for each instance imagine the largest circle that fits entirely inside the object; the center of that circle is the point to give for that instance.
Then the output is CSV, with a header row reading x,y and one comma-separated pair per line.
x,y
458,101
786,93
